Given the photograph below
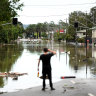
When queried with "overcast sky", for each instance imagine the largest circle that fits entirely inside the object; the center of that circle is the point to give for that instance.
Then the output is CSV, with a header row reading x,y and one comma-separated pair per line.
x,y
39,11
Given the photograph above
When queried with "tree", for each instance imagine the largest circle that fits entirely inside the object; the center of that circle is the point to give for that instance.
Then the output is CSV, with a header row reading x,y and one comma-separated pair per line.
x,y
51,26
83,20
39,28
62,25
31,29
45,27
93,15
8,9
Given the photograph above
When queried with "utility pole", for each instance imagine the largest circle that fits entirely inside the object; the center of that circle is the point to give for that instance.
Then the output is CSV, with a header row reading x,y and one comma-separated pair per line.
x,y
66,40
76,26
94,15
48,31
86,36
86,45
66,29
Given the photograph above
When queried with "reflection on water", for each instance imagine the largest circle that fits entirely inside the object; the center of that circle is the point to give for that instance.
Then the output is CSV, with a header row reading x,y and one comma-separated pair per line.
x,y
8,56
23,58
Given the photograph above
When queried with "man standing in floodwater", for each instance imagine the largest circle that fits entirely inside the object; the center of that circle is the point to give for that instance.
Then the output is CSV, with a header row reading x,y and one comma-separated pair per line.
x,y
46,66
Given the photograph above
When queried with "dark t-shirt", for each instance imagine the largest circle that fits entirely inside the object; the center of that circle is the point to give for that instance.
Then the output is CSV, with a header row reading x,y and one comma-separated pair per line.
x,y
46,65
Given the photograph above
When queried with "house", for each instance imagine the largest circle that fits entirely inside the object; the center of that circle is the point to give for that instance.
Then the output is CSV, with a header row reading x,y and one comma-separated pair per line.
x,y
94,42
81,33
94,35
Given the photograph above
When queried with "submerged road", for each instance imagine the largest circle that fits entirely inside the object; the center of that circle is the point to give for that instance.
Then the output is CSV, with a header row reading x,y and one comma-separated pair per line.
x,y
66,87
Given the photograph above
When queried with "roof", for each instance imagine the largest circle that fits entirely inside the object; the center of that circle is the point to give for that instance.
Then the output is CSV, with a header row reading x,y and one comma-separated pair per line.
x,y
81,31
93,28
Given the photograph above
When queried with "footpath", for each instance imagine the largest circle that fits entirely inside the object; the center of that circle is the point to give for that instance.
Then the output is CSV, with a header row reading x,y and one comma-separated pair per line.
x,y
66,87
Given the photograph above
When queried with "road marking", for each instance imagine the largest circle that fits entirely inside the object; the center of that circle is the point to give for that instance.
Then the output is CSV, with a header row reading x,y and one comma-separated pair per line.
x,y
89,94
73,81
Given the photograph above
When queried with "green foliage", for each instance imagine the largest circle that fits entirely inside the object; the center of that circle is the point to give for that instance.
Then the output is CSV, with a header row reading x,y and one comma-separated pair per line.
x,y
36,30
81,40
8,9
44,34
69,37
5,10
45,29
10,33
84,21
58,36
30,30
71,33
93,15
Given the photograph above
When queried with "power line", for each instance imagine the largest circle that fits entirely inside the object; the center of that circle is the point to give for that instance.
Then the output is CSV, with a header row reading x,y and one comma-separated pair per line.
x,y
62,5
57,16
44,16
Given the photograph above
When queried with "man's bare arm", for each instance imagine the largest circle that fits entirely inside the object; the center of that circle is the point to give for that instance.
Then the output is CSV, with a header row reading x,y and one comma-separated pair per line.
x,y
52,51
38,64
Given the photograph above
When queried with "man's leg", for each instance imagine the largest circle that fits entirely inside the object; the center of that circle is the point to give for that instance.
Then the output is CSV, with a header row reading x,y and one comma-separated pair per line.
x,y
50,80
44,76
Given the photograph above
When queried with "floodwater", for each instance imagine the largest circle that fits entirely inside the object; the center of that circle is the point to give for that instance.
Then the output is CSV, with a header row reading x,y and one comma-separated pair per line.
x,y
70,60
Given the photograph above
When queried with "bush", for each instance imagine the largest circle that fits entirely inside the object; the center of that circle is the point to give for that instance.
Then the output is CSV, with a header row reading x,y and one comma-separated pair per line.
x,y
81,40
